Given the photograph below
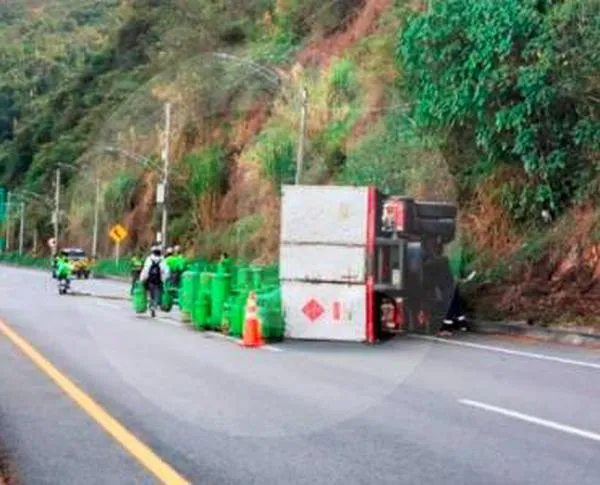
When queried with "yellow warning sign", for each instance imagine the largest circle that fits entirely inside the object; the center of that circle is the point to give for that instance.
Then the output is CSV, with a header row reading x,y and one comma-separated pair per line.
x,y
117,233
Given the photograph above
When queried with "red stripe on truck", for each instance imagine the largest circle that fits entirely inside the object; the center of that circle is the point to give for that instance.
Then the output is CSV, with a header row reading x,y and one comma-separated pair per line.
x,y
371,215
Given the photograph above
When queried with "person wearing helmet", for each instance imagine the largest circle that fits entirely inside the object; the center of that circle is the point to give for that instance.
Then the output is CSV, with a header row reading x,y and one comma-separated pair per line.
x,y
155,273
136,263
177,265
64,269
180,258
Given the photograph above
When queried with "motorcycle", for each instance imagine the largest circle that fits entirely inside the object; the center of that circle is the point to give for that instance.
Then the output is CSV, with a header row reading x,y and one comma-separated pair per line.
x,y
63,286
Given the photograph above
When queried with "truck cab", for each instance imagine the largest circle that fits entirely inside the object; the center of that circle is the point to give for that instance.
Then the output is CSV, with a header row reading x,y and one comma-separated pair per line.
x,y
412,278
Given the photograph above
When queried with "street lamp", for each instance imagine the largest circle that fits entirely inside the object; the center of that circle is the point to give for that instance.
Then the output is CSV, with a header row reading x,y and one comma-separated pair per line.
x,y
163,185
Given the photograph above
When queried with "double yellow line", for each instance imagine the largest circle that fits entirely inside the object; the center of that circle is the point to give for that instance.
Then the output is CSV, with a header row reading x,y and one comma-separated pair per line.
x,y
161,470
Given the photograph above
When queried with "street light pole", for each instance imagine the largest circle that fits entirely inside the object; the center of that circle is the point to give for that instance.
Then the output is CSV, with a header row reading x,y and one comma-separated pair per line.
x,y
96,217
302,137
8,205
56,209
22,228
165,176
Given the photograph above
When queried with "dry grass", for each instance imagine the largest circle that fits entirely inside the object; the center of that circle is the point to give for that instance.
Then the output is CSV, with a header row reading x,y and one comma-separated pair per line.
x,y
486,222
556,280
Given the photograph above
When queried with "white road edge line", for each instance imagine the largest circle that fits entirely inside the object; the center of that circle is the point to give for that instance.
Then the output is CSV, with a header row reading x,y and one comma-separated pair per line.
x,y
176,323
238,341
170,321
532,419
108,305
519,353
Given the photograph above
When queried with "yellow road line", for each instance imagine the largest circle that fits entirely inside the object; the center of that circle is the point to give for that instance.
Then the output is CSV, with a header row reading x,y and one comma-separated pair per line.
x,y
161,470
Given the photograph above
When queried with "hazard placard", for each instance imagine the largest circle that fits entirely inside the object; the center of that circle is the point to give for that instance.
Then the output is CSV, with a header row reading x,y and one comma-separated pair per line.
x,y
117,233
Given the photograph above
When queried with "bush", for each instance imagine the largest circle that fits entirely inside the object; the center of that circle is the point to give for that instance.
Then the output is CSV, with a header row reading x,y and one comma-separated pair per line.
x,y
344,82
118,197
395,159
207,170
509,74
276,152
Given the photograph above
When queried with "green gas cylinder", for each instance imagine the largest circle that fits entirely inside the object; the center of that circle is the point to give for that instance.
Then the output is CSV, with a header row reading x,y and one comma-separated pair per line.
x,y
221,287
238,313
242,279
140,298
187,294
257,278
166,300
201,312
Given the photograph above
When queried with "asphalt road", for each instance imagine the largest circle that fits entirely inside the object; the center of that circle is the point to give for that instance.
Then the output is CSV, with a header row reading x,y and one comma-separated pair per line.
x,y
411,411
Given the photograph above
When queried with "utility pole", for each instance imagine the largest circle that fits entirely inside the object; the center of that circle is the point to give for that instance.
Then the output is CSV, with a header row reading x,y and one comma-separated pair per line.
x,y
96,217
302,136
165,176
56,209
8,205
22,228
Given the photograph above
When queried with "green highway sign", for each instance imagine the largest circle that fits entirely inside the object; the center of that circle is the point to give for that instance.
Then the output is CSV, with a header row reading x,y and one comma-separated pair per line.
x,y
2,204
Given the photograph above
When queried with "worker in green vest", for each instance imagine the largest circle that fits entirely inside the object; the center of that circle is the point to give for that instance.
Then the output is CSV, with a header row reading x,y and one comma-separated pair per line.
x,y
225,263
177,265
171,262
170,259
180,258
136,264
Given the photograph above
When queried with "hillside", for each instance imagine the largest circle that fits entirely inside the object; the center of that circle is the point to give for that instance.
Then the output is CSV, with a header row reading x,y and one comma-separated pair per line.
x,y
494,104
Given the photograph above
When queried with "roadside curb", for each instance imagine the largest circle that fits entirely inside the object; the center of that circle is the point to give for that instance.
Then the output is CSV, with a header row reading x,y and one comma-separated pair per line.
x,y
576,337
101,276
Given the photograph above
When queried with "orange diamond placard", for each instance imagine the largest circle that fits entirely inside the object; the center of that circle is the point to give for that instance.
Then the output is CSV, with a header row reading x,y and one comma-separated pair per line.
x,y
313,310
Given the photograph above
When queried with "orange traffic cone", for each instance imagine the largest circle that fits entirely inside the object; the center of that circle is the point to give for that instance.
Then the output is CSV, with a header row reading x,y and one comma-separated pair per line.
x,y
252,333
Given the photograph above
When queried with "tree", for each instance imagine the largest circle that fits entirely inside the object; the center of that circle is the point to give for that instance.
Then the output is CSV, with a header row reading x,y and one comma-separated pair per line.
x,y
497,72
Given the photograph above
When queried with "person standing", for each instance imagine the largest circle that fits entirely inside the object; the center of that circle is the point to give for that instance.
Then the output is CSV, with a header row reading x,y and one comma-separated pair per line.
x,y
136,264
456,318
155,273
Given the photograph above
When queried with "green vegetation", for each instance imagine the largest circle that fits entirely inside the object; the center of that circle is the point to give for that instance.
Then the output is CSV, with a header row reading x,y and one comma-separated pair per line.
x,y
520,81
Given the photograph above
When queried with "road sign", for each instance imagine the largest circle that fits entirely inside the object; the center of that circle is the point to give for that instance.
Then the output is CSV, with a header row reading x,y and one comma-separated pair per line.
x,y
117,233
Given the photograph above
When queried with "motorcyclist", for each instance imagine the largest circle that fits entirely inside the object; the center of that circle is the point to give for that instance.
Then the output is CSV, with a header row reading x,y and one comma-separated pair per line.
x,y
136,263
155,273
63,269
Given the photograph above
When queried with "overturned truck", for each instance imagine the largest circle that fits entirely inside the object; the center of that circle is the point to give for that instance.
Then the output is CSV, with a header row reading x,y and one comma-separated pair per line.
x,y
358,265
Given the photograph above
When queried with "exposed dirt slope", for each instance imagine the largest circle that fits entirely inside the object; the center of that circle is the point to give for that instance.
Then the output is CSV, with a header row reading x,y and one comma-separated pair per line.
x,y
321,52
559,283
